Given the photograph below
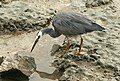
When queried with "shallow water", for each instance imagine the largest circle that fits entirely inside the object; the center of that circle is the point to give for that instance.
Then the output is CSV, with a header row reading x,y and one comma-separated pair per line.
x,y
41,53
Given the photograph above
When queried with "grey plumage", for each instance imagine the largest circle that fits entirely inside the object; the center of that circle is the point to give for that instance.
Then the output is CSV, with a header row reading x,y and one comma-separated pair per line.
x,y
51,32
74,24
69,24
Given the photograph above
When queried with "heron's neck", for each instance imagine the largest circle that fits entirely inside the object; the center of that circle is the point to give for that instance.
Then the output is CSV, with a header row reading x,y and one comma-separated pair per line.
x,y
51,32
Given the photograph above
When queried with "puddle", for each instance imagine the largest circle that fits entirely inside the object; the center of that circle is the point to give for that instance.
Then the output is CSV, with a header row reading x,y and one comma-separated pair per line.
x,y
41,53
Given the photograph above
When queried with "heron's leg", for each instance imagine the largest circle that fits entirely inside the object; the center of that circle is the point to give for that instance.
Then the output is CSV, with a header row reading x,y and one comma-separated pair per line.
x,y
64,40
68,46
81,43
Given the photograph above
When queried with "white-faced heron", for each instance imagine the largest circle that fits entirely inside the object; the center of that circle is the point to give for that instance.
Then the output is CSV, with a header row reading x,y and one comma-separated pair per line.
x,y
69,24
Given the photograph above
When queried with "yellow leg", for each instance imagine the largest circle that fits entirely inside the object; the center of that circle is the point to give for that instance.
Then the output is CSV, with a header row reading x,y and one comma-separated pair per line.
x,y
81,43
68,46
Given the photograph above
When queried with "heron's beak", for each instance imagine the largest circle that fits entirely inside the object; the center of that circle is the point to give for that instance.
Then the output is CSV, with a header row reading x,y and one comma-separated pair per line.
x,y
35,43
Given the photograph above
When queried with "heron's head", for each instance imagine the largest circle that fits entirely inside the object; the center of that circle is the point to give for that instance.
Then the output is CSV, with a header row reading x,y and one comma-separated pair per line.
x,y
40,34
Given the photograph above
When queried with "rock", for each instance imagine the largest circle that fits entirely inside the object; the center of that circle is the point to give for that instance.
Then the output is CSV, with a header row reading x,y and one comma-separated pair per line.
x,y
95,56
13,74
111,66
64,65
66,56
24,64
73,64
96,3
17,17
85,66
68,75
1,59
86,57
100,62
54,49
63,78
6,1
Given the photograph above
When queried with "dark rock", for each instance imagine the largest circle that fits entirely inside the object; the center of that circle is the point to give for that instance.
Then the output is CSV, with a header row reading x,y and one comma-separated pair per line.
x,y
86,57
64,65
95,56
24,64
66,56
1,59
77,57
111,66
96,3
14,74
99,62
55,48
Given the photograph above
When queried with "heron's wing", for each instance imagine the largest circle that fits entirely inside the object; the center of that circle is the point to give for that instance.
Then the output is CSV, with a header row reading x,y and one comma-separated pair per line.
x,y
73,23
87,23
67,27
78,18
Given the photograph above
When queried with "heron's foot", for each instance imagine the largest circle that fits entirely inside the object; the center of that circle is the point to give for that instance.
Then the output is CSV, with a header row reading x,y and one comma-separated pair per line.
x,y
77,52
66,51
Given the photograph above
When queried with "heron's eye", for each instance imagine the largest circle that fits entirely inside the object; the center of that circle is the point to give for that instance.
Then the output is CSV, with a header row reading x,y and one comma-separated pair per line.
x,y
55,11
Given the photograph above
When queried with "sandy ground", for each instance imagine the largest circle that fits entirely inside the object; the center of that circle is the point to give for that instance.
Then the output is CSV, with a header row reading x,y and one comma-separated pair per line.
x,y
22,43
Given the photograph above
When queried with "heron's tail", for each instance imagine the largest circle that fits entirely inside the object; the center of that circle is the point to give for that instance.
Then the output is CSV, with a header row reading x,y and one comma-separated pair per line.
x,y
97,27
94,27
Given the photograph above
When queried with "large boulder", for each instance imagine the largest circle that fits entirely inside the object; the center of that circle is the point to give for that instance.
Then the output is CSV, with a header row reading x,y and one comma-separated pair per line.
x,y
17,63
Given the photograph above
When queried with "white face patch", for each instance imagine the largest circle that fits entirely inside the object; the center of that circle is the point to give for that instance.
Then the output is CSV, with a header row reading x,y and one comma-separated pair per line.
x,y
39,33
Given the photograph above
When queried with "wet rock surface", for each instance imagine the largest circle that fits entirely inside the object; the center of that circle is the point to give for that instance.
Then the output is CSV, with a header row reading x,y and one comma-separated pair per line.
x,y
16,66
